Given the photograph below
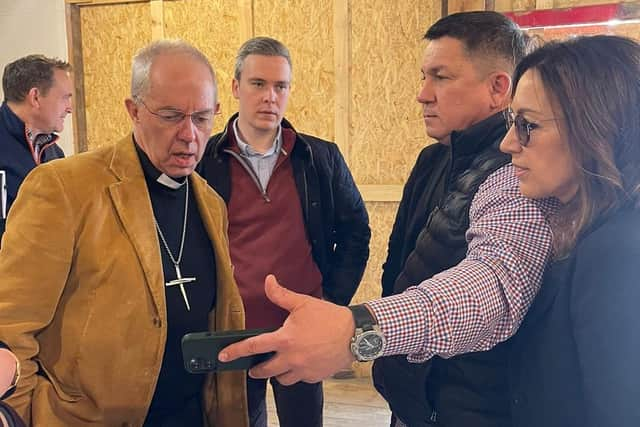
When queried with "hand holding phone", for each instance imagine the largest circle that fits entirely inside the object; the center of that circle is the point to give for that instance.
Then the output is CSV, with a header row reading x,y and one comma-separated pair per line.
x,y
200,350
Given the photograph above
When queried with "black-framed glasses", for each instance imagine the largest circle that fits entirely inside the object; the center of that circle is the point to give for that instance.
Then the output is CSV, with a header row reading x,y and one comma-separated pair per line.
x,y
201,119
523,126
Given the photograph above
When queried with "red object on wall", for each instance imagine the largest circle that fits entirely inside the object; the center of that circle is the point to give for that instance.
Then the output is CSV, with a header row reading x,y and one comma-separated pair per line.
x,y
575,15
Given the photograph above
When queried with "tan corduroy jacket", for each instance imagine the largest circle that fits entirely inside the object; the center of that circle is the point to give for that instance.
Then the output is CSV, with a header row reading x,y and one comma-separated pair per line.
x,y
82,294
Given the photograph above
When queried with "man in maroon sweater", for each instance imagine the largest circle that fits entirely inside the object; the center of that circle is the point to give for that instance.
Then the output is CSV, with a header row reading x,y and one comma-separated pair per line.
x,y
294,211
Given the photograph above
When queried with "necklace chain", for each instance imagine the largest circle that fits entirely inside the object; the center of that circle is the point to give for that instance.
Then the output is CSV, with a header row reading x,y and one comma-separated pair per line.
x,y
176,262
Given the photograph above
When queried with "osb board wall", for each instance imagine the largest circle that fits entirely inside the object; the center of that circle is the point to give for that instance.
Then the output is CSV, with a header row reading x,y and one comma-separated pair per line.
x,y
212,27
112,34
306,28
387,130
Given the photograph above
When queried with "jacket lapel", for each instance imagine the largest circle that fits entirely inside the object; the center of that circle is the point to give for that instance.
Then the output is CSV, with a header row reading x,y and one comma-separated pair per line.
x,y
132,204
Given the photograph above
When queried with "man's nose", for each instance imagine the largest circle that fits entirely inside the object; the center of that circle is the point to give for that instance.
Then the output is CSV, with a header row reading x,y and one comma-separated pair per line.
x,y
425,94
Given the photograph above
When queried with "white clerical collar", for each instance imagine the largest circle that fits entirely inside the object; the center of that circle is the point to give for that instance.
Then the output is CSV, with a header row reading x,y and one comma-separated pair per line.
x,y
167,181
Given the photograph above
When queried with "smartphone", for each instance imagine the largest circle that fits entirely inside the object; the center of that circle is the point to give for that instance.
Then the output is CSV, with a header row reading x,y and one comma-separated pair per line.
x,y
200,350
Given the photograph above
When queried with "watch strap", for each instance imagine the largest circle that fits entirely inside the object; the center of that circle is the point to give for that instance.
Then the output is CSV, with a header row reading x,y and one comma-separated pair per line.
x,y
362,317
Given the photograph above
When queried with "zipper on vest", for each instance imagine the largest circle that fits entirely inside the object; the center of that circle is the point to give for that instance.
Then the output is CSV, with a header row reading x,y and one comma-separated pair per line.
x,y
251,172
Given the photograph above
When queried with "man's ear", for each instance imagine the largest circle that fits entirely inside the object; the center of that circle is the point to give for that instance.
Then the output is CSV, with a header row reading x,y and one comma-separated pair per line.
x,y
133,109
33,97
234,88
500,89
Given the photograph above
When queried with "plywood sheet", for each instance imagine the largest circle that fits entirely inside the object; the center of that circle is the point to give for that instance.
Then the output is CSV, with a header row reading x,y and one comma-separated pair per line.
x,y
381,217
111,34
387,127
306,28
214,28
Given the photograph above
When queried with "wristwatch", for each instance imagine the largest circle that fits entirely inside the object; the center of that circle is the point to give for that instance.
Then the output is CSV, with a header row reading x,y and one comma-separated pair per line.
x,y
368,341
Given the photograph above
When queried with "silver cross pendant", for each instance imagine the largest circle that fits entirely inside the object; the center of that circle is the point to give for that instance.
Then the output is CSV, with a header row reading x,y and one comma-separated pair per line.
x,y
180,281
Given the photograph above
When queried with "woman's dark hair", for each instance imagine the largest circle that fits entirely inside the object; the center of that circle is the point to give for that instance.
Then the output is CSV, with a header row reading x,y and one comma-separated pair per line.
x,y
595,83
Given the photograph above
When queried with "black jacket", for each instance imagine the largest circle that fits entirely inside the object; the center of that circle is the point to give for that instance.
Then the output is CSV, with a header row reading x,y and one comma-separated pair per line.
x,y
469,389
15,156
575,359
335,216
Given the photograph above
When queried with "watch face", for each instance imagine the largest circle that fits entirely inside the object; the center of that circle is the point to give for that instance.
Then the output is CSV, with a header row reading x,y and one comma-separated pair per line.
x,y
370,345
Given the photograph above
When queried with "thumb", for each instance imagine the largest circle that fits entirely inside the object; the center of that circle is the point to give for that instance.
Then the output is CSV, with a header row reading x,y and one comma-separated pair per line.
x,y
282,297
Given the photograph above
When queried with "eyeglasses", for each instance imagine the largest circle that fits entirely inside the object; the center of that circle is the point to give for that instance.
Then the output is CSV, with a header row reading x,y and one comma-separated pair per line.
x,y
522,125
201,119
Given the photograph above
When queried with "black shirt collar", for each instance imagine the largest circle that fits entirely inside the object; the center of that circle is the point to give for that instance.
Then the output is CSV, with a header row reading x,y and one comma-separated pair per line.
x,y
153,174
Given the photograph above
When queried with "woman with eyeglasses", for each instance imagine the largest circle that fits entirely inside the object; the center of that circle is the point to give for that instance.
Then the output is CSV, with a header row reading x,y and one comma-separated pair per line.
x,y
575,136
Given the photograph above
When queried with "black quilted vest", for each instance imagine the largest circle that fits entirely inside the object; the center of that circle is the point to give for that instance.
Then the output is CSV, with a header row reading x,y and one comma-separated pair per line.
x,y
466,390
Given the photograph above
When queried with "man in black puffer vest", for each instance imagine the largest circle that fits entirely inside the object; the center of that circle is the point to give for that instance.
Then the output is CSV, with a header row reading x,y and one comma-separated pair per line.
x,y
466,69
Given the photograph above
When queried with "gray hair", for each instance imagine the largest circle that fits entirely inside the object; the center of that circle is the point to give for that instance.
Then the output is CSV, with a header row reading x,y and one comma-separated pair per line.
x,y
260,46
142,60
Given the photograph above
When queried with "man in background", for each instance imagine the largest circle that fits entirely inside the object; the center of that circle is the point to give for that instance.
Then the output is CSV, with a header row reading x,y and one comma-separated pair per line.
x,y
37,98
294,210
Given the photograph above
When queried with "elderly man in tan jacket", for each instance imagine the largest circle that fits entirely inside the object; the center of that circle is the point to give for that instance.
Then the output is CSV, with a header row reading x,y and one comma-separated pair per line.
x,y
110,256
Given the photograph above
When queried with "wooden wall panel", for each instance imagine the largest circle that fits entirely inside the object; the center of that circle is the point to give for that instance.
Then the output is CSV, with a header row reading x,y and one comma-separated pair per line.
x,y
387,127
306,28
111,34
214,28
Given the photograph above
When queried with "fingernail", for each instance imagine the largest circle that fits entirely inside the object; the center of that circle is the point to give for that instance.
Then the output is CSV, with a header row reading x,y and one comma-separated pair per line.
x,y
223,357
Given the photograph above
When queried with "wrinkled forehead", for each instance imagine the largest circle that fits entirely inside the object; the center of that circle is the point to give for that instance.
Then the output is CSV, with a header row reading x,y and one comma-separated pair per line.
x,y
181,79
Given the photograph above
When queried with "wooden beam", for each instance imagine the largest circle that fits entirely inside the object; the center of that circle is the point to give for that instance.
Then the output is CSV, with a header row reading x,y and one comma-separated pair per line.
x,y
381,193
342,58
74,47
465,5
157,19
247,24
544,4
503,5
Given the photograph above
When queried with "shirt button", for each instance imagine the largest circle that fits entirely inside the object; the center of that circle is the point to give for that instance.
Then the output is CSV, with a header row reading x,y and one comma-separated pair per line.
x,y
314,204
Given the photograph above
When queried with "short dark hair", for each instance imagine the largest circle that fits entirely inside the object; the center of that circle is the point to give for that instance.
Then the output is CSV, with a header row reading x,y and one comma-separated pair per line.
x,y
485,35
23,74
595,83
260,46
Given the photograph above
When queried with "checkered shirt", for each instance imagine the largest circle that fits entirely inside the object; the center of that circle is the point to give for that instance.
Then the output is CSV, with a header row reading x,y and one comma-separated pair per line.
x,y
481,301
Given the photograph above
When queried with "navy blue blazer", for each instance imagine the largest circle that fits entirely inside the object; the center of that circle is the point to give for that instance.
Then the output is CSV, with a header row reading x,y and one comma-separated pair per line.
x,y
16,159
576,358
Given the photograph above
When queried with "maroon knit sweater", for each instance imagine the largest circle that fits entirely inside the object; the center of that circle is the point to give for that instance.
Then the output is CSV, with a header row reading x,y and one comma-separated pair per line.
x,y
269,237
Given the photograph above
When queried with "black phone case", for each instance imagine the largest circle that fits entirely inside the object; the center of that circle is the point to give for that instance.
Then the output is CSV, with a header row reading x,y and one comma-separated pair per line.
x,y
200,350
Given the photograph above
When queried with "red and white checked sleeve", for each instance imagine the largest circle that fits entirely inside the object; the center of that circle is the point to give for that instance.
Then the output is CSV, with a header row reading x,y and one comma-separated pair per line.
x,y
481,301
